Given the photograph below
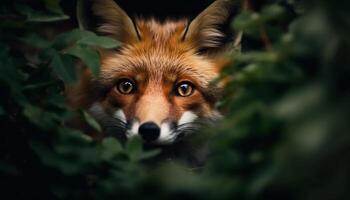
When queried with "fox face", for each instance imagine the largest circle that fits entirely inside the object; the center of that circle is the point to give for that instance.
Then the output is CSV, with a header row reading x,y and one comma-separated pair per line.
x,y
158,84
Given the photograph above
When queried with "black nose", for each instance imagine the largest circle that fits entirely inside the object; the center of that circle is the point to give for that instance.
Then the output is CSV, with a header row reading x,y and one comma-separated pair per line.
x,y
149,131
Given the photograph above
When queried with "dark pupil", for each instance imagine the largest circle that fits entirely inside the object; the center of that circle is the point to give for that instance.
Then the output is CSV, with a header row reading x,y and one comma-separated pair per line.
x,y
126,86
184,88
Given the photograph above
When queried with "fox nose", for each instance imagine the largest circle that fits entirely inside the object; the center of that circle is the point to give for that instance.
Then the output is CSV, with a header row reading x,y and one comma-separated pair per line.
x,y
149,131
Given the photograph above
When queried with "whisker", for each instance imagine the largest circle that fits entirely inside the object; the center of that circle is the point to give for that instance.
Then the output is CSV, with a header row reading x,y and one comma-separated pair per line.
x,y
192,127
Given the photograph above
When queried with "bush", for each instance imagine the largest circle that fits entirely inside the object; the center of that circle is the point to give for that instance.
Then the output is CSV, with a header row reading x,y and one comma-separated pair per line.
x,y
284,136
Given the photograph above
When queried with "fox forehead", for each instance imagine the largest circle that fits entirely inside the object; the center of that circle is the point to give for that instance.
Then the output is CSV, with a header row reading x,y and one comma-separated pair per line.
x,y
157,65
160,54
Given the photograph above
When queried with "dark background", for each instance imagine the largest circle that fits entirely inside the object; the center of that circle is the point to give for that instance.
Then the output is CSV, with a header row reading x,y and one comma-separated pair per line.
x,y
164,9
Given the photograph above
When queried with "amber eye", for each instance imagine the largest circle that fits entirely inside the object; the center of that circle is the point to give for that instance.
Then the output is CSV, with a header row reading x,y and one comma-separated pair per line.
x,y
126,86
184,89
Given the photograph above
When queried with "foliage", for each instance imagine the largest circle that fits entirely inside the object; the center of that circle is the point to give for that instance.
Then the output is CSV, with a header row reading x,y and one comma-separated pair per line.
x,y
284,136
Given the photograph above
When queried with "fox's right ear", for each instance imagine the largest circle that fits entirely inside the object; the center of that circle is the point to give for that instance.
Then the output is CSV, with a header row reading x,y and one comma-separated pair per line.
x,y
203,32
110,20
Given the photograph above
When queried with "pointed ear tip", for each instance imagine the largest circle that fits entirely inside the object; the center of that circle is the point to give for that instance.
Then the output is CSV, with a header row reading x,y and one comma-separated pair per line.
x,y
238,39
224,1
110,19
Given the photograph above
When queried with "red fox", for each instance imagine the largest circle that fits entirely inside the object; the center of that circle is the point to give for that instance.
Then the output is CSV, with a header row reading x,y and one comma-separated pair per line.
x,y
158,84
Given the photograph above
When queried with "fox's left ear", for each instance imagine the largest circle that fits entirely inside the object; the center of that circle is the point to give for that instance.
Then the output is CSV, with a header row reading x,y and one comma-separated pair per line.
x,y
108,19
203,31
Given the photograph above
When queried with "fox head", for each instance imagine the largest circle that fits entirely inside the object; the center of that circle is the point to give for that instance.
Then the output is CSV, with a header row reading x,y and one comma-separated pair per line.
x,y
158,84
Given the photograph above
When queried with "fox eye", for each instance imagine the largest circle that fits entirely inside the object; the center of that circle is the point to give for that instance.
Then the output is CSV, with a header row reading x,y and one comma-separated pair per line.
x,y
126,86
184,89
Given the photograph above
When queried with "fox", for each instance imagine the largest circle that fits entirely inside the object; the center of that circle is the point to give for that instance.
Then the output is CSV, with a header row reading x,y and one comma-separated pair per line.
x,y
159,83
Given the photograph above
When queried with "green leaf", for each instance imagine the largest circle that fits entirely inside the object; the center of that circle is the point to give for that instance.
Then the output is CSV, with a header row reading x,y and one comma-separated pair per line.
x,y
83,38
67,39
40,117
47,18
39,85
149,154
8,73
259,56
134,148
88,55
10,76
8,169
99,41
2,111
47,54
66,165
247,20
272,12
35,40
53,6
111,148
92,122
57,100
64,67
37,16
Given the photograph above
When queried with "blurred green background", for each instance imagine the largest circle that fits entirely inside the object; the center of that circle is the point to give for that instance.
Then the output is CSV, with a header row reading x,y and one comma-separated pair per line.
x,y
285,134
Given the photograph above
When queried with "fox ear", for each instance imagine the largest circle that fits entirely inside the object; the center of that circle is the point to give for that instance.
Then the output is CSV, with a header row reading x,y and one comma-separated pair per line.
x,y
112,20
203,31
